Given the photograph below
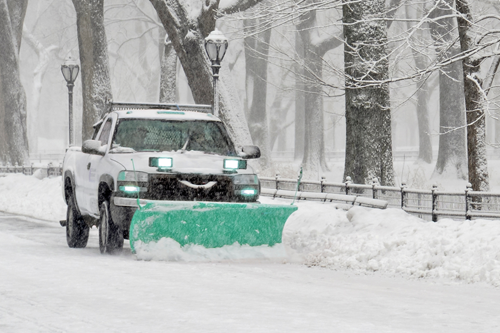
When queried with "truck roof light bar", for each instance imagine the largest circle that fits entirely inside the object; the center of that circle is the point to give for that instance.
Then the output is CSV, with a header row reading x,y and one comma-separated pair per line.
x,y
115,106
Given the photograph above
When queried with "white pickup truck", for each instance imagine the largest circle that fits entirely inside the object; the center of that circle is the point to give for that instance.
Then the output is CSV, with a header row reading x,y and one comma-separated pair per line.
x,y
144,152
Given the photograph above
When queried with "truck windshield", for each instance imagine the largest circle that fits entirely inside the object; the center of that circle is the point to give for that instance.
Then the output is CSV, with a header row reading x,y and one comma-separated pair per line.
x,y
169,135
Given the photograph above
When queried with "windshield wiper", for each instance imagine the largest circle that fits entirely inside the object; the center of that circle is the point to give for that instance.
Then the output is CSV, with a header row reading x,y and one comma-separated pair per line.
x,y
183,149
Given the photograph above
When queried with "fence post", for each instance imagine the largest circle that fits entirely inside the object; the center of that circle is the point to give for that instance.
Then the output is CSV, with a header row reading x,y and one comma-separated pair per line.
x,y
374,185
403,195
468,188
348,181
434,203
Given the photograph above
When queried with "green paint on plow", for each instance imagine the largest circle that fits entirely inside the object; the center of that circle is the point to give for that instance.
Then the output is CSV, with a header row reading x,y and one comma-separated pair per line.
x,y
210,224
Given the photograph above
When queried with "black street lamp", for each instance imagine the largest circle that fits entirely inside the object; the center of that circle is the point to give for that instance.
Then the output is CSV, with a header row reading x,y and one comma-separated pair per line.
x,y
216,46
70,70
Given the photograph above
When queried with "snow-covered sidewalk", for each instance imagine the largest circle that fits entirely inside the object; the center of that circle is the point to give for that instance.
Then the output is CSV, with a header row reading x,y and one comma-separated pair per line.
x,y
360,240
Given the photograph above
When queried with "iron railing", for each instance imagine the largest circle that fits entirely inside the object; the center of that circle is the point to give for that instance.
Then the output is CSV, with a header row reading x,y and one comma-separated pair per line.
x,y
48,170
427,204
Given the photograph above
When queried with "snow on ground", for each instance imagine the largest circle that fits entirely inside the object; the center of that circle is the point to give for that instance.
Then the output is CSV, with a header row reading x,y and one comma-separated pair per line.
x,y
360,240
47,287
33,197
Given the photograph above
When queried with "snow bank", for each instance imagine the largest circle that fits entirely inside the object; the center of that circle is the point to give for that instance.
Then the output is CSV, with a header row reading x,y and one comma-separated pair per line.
x,y
31,196
360,240
394,242
170,250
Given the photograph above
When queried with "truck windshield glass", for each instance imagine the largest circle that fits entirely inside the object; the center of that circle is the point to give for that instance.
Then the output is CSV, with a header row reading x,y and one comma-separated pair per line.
x,y
168,135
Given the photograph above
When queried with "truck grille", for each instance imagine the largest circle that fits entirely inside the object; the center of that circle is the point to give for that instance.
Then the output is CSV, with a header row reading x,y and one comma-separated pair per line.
x,y
168,187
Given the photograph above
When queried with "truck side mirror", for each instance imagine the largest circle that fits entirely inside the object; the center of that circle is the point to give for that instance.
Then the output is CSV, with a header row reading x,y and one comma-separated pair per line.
x,y
93,147
249,152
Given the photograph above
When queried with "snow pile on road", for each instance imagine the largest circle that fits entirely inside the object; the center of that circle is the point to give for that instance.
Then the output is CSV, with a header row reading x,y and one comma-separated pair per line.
x,y
31,196
394,242
170,250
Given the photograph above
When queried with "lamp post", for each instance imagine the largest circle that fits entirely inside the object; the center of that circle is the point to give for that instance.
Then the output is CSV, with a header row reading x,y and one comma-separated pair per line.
x,y
216,46
70,70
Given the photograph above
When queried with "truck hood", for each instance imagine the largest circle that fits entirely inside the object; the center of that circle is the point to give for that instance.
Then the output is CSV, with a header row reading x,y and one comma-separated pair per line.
x,y
183,162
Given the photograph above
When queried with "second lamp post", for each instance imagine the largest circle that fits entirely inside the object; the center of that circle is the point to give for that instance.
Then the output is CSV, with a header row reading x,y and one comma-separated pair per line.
x,y
70,71
216,45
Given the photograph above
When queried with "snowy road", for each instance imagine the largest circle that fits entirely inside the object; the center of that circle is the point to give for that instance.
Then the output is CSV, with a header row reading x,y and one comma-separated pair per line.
x,y
47,287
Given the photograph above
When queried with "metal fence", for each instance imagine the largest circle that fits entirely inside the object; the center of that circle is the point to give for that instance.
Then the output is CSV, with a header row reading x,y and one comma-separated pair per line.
x,y
49,170
427,204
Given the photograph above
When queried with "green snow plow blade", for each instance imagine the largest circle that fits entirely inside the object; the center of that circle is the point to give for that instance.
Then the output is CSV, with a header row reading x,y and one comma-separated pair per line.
x,y
210,224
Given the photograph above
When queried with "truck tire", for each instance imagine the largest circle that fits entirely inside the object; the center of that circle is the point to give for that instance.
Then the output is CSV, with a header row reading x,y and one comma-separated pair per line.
x,y
110,235
77,231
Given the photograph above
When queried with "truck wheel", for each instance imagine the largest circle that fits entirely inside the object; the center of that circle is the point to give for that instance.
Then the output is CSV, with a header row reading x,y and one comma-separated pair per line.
x,y
77,231
110,235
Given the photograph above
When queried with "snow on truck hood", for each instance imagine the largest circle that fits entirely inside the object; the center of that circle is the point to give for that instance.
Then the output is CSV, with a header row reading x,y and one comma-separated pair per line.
x,y
183,162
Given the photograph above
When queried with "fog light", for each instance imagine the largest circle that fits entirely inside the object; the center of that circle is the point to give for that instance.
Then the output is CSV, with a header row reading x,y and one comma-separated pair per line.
x,y
130,189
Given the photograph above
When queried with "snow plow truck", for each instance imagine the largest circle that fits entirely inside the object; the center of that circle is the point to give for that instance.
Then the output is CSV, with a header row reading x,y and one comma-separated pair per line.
x,y
154,171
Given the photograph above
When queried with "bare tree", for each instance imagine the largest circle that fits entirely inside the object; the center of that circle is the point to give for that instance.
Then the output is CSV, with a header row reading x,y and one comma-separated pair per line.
x,y
475,89
187,32
44,56
256,60
94,61
13,133
423,93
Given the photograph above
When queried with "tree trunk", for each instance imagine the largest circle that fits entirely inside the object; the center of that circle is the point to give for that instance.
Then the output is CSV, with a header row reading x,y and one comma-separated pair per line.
x,y
474,104
44,55
424,138
368,114
92,43
17,12
300,107
256,60
13,136
313,160
187,36
451,155
168,77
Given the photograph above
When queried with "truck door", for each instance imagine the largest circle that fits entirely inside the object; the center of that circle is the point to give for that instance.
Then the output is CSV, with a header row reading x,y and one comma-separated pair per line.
x,y
96,168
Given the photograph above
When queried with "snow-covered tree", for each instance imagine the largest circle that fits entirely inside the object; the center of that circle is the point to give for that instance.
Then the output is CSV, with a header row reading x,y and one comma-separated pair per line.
x,y
13,131
168,83
368,114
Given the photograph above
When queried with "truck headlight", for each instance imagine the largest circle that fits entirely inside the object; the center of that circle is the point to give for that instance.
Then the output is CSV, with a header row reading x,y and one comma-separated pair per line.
x,y
133,176
246,186
245,179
